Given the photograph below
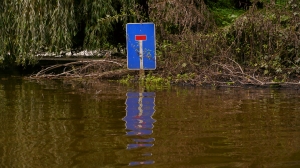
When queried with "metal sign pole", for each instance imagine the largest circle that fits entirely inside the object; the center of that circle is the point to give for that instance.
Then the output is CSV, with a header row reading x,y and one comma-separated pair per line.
x,y
142,72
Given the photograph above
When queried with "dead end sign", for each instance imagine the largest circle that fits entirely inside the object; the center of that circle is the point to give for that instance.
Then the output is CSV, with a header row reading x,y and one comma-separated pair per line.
x,y
140,44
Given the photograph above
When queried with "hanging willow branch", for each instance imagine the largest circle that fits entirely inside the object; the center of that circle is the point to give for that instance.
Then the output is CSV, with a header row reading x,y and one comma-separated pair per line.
x,y
28,27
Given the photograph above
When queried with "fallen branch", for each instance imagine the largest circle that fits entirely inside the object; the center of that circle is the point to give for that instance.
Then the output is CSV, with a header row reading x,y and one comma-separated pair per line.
x,y
92,68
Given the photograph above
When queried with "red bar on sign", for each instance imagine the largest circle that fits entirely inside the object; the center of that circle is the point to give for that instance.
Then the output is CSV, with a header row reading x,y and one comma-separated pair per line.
x,y
140,37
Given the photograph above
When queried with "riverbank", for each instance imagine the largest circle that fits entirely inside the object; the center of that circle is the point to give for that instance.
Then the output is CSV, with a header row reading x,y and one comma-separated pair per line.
x,y
152,79
116,70
109,65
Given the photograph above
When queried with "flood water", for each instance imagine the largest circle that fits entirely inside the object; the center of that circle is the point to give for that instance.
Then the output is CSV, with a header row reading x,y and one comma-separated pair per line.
x,y
53,123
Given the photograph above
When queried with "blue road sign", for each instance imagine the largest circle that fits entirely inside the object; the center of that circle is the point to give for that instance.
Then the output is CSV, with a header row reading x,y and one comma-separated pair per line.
x,y
141,46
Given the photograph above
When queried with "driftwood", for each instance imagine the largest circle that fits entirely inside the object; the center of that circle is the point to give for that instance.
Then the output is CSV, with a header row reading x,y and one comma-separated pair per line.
x,y
227,72
90,69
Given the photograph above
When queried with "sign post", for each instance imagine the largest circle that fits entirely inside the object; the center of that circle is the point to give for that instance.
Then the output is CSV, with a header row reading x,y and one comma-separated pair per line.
x,y
141,51
140,39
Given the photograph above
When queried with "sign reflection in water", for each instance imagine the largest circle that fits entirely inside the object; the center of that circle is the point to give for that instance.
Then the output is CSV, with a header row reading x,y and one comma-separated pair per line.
x,y
139,121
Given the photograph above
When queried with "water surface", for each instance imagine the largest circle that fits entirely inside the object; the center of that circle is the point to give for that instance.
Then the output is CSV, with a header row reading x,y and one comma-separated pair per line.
x,y
53,123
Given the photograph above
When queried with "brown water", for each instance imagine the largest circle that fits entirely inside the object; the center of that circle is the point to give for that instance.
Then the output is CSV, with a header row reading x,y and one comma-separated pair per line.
x,y
103,124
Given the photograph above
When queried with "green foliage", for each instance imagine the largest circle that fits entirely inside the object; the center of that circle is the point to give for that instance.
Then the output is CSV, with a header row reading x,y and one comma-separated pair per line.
x,y
150,79
31,27
127,79
220,3
226,16
267,39
98,23
27,28
184,77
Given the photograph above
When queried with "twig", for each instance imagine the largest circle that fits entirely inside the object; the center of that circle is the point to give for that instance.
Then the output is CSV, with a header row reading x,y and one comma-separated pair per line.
x,y
236,64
